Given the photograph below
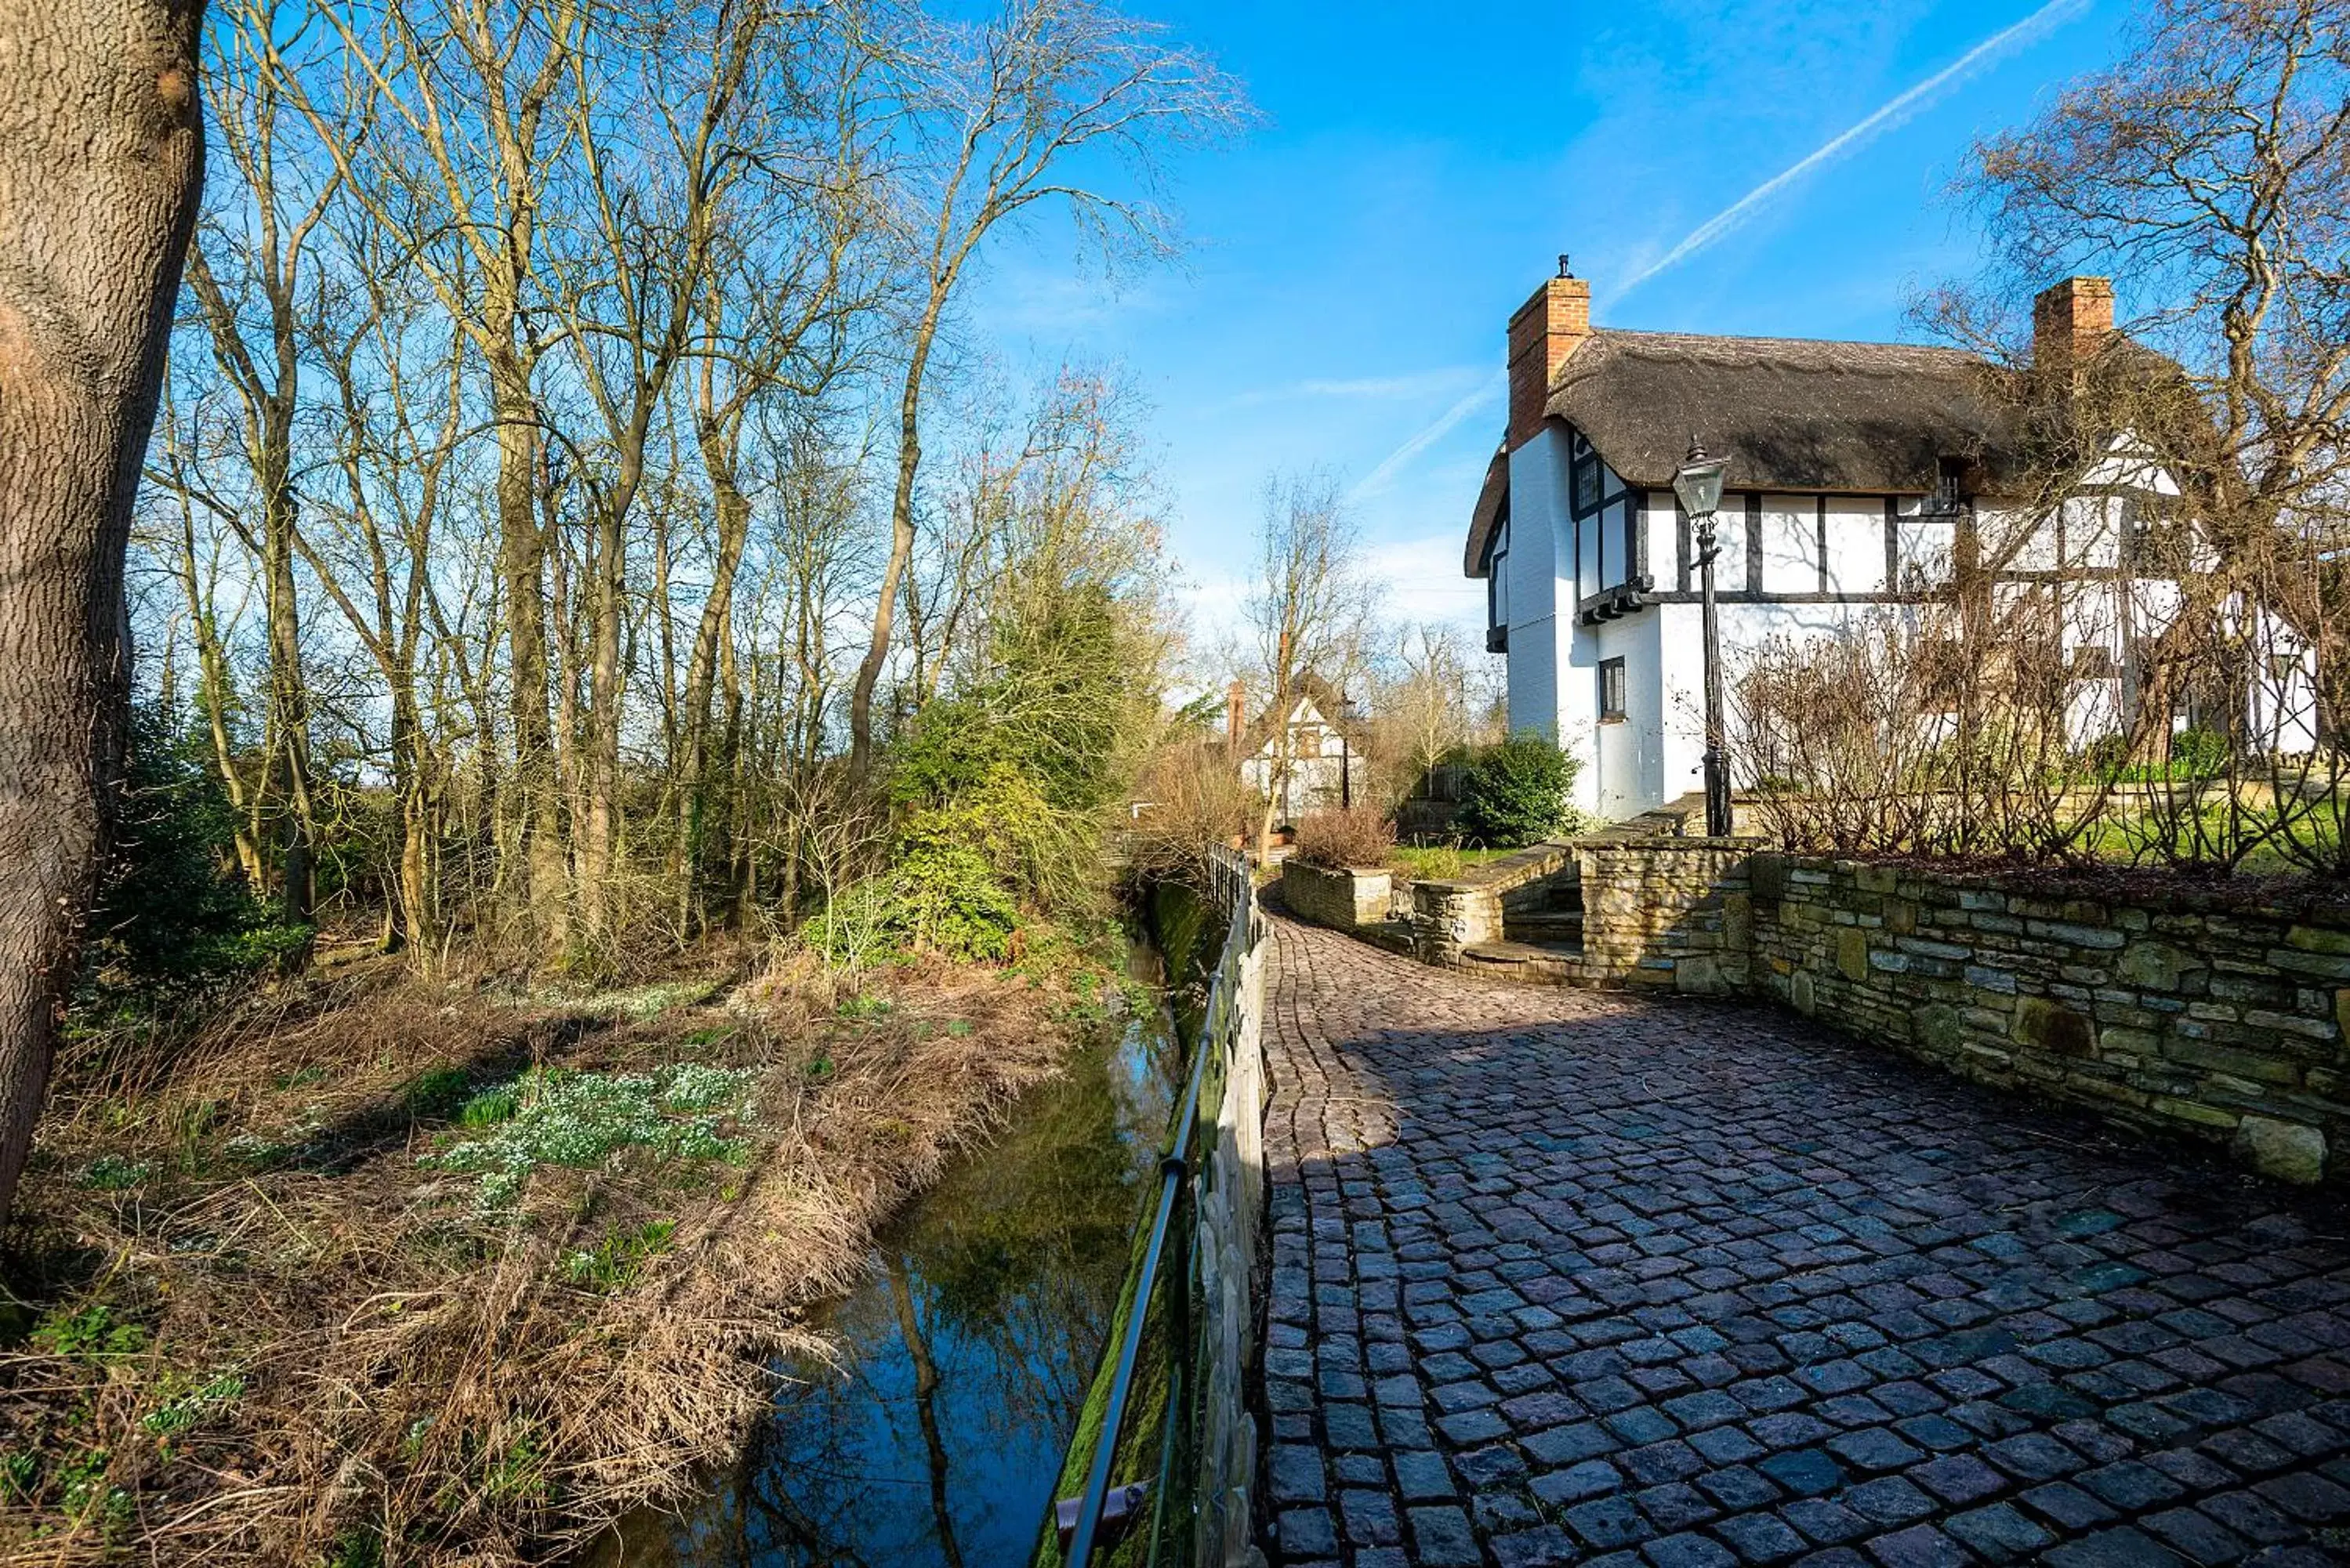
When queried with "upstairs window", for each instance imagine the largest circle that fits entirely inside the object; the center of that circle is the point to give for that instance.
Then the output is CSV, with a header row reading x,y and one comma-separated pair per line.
x,y
1949,483
1611,690
1587,484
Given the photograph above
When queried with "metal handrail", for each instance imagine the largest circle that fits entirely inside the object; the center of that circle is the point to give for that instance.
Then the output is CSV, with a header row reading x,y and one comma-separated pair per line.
x,y
1174,1166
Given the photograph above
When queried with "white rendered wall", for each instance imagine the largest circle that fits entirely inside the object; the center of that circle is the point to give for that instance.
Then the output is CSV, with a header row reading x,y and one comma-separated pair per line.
x,y
1664,524
1537,555
1628,753
1856,541
1578,706
1791,555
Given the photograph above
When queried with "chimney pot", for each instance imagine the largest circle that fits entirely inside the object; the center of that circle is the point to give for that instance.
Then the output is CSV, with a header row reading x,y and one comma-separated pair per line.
x,y
1235,714
1545,330
2070,322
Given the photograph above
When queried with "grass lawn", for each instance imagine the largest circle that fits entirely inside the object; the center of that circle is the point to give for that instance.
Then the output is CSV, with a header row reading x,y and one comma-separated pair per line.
x,y
1440,862
2142,838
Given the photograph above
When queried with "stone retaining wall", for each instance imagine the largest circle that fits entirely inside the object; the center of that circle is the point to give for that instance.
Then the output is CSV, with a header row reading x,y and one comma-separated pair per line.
x,y
2192,1012
1466,910
1344,900
1667,912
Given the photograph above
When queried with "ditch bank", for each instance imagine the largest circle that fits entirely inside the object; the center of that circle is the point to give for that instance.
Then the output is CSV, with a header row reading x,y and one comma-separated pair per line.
x,y
378,1272
947,1406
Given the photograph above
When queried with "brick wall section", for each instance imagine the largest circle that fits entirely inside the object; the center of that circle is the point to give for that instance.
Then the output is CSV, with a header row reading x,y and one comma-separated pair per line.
x,y
1343,900
2192,1013
1546,329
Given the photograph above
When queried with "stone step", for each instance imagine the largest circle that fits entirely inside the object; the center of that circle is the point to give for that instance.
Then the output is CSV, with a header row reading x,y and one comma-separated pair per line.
x,y
1537,964
1563,927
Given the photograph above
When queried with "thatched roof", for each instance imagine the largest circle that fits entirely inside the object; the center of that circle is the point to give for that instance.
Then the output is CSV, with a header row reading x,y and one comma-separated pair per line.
x,y
1790,413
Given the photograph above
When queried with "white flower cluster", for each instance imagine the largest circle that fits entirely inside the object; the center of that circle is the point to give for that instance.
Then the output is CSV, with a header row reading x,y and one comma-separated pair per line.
x,y
583,1119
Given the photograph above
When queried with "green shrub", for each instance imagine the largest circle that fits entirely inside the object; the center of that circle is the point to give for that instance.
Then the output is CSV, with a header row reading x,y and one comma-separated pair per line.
x,y
89,1335
435,1093
940,898
613,1264
183,1404
2198,753
111,1173
1514,794
172,921
359,1546
490,1108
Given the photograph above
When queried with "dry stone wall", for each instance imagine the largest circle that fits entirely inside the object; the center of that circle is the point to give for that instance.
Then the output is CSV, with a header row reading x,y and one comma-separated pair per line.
x,y
2190,1012
1342,900
1467,912
1673,913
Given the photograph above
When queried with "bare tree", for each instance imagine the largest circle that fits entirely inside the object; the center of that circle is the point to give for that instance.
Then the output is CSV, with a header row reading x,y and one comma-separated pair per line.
x,y
1309,609
1427,707
2209,171
1010,107
446,124
101,163
247,272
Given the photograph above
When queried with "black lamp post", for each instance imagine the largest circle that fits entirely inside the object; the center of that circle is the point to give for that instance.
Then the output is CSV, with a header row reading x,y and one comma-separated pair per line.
x,y
1699,484
1345,755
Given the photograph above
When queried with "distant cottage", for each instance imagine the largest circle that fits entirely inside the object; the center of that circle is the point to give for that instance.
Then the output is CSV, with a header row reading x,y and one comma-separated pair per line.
x,y
1858,471
1327,767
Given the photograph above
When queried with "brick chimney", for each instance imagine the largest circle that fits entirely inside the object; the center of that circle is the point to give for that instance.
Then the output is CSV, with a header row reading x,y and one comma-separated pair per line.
x,y
2070,322
1235,714
1545,330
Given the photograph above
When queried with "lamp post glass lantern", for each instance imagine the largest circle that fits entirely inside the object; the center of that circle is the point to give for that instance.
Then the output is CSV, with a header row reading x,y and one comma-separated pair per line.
x,y
1698,483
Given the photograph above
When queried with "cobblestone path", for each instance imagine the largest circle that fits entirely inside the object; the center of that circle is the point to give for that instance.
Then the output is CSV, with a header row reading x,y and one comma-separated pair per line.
x,y
1565,1277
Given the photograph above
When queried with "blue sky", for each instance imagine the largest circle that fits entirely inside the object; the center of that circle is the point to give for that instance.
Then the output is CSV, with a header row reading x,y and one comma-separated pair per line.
x,y
1417,170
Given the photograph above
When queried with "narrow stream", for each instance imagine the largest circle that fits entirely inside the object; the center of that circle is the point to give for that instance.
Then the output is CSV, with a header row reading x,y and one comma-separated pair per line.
x,y
964,1357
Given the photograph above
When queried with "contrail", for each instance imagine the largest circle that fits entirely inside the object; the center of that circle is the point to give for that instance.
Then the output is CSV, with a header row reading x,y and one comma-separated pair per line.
x,y
1436,431
2032,29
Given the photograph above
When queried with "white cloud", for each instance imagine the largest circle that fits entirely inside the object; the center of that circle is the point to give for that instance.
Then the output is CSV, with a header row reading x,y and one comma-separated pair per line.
x,y
1421,581
1412,580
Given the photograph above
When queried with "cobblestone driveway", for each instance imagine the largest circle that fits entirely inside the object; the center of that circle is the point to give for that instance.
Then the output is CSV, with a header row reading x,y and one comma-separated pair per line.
x,y
1564,1277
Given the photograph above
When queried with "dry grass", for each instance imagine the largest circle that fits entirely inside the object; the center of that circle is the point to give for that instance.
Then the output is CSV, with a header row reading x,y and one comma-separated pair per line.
x,y
314,1349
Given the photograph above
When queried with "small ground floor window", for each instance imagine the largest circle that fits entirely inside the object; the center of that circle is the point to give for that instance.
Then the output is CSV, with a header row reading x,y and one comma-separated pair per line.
x,y
1611,688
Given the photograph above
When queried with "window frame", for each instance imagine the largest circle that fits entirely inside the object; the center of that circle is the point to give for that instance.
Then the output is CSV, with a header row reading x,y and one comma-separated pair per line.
x,y
1612,676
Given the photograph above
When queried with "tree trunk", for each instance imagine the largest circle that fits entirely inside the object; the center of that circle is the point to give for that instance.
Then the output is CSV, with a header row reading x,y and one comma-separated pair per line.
x,y
101,157
713,632
598,834
289,704
902,536
522,561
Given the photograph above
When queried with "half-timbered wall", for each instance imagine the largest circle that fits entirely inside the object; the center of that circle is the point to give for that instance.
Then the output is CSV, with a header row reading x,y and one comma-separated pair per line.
x,y
1585,570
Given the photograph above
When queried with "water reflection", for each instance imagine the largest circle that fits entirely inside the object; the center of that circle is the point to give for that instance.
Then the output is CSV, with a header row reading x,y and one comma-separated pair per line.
x,y
965,1357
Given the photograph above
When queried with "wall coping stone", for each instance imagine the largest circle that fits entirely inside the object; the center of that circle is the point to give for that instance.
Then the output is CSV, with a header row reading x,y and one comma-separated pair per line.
x,y
2271,897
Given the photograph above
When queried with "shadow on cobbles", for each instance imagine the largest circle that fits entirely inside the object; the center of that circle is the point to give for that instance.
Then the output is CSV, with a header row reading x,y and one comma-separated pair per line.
x,y
1561,1277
